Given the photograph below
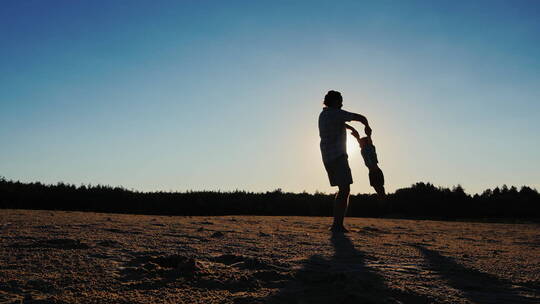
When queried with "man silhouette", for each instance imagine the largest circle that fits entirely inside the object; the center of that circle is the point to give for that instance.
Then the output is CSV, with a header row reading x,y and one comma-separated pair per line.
x,y
334,151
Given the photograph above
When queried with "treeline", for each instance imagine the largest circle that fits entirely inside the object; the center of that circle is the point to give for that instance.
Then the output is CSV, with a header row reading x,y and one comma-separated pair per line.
x,y
421,200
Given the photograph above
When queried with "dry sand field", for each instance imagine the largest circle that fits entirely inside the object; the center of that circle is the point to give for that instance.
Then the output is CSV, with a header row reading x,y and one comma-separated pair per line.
x,y
75,257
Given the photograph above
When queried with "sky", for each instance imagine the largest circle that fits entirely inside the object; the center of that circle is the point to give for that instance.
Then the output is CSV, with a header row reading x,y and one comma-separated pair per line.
x,y
225,95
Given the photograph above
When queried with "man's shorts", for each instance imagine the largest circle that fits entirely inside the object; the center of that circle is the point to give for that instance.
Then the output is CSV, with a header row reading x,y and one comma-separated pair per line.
x,y
338,171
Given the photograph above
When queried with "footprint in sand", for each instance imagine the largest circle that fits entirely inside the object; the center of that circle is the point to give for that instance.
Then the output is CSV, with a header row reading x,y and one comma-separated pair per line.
x,y
217,234
54,243
109,243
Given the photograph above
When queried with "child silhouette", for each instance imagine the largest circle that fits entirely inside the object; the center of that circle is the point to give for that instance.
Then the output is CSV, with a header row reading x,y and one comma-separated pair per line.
x,y
369,154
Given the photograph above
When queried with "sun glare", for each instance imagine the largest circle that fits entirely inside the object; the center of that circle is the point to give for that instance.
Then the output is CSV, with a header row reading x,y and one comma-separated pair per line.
x,y
353,148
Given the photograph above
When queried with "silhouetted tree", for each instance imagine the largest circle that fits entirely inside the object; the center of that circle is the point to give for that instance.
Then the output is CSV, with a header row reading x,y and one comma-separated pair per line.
x,y
421,200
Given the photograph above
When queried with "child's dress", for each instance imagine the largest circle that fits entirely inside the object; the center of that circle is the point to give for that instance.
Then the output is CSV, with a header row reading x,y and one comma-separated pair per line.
x,y
369,154
367,149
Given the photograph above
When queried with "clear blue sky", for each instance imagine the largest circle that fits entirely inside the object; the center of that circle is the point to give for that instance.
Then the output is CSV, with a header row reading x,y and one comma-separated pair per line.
x,y
179,95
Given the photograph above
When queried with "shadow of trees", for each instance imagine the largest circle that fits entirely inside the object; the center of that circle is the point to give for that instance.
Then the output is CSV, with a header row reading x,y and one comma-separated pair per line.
x,y
476,286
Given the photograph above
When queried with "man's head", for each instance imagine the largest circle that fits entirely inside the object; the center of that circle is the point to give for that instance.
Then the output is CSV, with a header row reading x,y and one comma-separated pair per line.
x,y
333,99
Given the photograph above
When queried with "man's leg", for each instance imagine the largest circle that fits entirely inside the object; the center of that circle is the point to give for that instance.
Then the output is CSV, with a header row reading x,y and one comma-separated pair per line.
x,y
341,202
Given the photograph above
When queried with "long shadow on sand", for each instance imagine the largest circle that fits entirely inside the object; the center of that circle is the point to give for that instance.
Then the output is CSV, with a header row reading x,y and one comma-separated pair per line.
x,y
478,287
342,279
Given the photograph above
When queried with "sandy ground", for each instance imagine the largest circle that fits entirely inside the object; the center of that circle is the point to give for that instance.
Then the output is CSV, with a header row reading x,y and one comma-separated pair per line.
x,y
75,257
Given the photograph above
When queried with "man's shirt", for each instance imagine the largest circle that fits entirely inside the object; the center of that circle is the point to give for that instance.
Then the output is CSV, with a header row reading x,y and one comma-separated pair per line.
x,y
333,133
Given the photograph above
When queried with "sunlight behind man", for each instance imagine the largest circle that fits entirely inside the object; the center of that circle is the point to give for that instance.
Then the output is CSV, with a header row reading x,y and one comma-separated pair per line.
x,y
353,150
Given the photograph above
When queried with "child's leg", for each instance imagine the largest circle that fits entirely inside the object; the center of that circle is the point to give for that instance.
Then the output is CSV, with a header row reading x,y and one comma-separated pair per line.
x,y
380,191
376,180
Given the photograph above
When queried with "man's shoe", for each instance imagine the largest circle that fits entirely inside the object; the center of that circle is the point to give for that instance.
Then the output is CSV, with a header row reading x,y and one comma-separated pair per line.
x,y
338,229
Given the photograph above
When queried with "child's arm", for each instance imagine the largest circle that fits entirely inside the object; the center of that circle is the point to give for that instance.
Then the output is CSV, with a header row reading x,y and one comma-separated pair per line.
x,y
353,131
